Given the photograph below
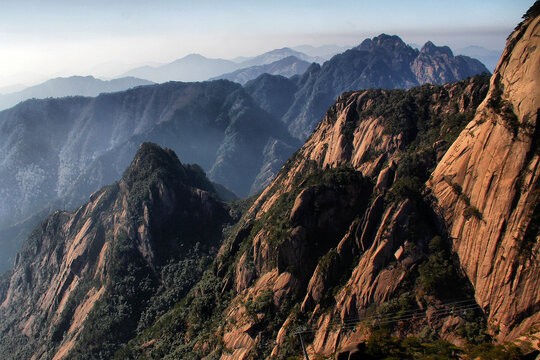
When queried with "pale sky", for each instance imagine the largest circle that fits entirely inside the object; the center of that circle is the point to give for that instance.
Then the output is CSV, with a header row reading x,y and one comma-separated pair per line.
x,y
40,39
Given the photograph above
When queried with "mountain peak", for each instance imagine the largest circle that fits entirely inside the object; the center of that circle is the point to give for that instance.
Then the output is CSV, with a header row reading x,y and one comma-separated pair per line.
x,y
432,49
388,39
153,162
149,158
385,41
194,56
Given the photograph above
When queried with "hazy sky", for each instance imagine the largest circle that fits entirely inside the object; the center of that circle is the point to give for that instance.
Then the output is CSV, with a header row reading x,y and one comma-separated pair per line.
x,y
45,38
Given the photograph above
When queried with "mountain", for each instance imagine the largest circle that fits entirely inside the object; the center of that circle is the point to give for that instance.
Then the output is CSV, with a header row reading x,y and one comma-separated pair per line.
x,y
382,62
86,280
71,86
195,67
287,67
323,51
359,243
11,88
436,65
278,54
488,57
274,94
405,227
56,152
318,246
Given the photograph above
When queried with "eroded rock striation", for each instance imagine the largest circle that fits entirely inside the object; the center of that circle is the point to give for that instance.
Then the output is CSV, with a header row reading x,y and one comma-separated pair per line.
x,y
487,189
407,213
342,231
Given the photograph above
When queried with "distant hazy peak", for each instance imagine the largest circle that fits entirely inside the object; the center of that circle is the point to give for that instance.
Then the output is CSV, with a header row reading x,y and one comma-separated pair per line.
x,y
194,56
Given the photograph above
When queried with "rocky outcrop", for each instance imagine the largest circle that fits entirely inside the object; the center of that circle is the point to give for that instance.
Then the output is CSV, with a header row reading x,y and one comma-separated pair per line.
x,y
84,279
437,65
355,130
487,189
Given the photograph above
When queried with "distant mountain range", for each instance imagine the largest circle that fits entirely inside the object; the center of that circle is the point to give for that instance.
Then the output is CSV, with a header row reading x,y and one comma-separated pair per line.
x,y
323,51
287,67
196,67
488,57
382,62
70,86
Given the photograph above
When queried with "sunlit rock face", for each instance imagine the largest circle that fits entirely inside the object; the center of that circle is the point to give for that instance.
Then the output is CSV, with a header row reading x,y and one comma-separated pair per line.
x,y
487,189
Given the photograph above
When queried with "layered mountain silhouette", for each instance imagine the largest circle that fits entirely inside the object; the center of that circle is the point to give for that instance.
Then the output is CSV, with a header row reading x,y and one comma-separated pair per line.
x,y
70,86
286,67
488,57
405,226
324,51
382,62
56,152
195,67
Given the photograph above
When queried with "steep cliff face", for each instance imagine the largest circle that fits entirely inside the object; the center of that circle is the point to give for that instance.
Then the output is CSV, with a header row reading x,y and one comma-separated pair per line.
x,y
342,231
487,189
86,280
348,240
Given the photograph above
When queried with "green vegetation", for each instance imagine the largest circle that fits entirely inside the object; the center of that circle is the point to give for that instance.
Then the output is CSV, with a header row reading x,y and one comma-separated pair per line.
x,y
194,318
4,284
381,345
504,108
486,351
437,275
471,211
531,233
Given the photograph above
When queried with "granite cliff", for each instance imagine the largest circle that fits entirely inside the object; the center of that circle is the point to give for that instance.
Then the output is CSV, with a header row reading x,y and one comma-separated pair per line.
x,y
487,189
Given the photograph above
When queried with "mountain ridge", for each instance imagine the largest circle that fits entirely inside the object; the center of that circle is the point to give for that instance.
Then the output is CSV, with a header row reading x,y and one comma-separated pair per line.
x,y
287,67
70,86
196,67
